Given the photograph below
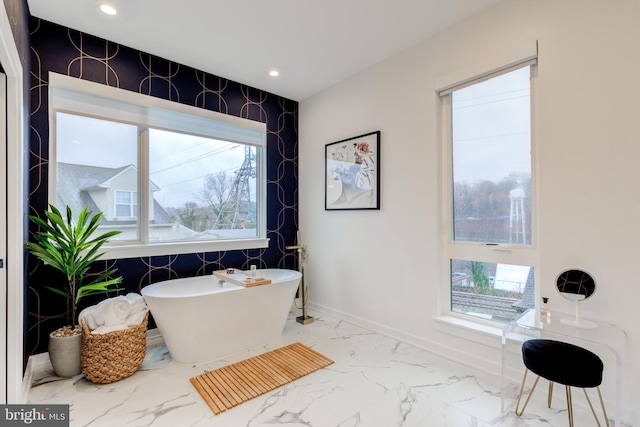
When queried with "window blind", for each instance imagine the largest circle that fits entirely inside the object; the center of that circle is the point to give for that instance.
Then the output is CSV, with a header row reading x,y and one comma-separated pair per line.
x,y
522,56
73,95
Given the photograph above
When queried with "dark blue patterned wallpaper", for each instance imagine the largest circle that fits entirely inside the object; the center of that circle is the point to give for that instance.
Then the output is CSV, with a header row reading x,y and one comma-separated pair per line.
x,y
65,51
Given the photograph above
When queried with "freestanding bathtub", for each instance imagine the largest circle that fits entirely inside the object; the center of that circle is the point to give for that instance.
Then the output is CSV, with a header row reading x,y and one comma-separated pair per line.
x,y
203,318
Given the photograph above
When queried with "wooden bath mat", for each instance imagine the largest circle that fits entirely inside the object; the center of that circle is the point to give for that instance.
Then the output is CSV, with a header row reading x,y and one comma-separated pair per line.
x,y
234,384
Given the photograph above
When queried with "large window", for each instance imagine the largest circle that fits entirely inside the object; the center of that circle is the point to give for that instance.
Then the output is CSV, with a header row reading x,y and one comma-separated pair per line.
x,y
173,179
489,243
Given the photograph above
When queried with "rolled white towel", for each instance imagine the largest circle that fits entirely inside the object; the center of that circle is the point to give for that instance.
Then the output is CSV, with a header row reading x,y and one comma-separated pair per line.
x,y
136,318
137,310
101,330
124,310
114,311
134,299
88,315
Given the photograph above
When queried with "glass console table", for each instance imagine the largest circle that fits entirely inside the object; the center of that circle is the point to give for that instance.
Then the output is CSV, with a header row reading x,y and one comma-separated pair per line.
x,y
604,339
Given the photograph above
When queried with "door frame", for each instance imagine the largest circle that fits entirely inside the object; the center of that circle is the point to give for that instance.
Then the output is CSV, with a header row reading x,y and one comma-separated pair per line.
x,y
3,236
16,136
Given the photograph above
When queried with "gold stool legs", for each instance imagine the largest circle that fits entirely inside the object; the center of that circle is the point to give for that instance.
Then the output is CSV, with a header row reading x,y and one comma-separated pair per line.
x,y
604,411
519,411
569,405
593,411
524,379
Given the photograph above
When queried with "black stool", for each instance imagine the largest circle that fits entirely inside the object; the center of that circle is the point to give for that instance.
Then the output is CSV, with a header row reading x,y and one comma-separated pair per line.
x,y
565,364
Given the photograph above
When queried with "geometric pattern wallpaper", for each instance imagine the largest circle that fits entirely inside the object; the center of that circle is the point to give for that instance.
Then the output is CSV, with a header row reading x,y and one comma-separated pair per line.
x,y
69,52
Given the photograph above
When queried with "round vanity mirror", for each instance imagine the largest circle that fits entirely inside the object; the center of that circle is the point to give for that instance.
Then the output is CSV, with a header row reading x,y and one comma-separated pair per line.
x,y
576,285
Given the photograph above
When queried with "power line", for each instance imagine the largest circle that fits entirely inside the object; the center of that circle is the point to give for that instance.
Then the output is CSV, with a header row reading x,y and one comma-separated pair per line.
x,y
197,158
489,102
490,136
199,177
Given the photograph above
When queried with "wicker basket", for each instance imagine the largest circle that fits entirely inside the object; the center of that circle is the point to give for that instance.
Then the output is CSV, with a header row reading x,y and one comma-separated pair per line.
x,y
113,356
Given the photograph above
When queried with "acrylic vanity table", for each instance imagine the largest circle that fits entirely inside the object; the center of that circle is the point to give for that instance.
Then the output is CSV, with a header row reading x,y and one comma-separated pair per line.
x,y
605,339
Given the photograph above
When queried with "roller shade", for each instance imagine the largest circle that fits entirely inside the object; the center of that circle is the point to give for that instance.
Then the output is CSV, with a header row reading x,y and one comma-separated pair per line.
x,y
523,56
73,95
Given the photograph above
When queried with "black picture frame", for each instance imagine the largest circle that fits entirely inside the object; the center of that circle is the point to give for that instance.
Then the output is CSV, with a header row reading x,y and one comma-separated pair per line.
x,y
352,173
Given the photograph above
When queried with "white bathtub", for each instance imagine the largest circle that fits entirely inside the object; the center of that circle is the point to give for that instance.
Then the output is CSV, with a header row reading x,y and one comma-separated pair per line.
x,y
202,318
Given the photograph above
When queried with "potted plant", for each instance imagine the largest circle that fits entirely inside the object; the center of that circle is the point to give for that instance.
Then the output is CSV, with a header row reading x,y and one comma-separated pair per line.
x,y
69,246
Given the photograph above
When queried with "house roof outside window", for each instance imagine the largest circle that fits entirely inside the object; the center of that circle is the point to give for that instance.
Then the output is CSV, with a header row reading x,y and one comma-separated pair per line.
x,y
76,183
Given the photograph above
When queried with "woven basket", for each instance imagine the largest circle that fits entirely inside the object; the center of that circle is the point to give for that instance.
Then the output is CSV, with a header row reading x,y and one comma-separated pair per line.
x,y
113,356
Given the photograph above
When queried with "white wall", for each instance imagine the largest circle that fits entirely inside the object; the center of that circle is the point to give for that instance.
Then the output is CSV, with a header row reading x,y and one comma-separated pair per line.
x,y
383,268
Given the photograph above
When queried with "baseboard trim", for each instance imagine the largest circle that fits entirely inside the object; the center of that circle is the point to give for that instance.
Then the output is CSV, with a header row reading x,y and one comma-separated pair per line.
x,y
436,348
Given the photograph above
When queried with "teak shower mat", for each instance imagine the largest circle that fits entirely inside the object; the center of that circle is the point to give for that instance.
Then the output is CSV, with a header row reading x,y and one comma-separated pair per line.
x,y
234,384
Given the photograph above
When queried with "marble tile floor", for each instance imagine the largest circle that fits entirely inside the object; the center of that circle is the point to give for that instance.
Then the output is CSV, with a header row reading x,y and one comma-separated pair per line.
x,y
376,381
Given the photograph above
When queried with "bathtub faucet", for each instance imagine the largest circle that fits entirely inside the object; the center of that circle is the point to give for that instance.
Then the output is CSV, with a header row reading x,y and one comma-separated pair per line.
x,y
302,255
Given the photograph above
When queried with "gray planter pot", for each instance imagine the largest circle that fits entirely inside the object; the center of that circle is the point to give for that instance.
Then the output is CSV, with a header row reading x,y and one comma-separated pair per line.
x,y
65,355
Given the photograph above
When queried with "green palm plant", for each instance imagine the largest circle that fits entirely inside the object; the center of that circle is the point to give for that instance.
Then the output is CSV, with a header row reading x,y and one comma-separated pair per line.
x,y
70,248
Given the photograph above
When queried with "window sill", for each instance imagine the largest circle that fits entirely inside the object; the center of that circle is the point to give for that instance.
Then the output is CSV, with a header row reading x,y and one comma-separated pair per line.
x,y
115,251
470,330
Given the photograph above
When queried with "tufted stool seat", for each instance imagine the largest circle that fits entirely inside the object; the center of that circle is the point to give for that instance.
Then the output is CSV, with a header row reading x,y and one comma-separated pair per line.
x,y
565,364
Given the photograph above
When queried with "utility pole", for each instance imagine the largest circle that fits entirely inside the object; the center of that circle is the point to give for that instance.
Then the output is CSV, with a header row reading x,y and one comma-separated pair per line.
x,y
235,210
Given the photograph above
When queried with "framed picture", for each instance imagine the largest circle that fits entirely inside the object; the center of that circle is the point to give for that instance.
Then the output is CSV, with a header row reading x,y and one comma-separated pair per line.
x,y
352,173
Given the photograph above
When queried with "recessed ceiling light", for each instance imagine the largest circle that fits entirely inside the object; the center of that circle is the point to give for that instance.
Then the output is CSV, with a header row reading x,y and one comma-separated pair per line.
x,y
109,10
274,73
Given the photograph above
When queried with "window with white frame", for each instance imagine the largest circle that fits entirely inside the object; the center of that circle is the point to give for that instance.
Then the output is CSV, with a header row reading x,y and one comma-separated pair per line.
x,y
489,240
126,204
172,178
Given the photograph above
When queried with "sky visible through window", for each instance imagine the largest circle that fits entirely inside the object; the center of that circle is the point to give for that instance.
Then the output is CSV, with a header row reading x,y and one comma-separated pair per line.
x,y
178,163
491,131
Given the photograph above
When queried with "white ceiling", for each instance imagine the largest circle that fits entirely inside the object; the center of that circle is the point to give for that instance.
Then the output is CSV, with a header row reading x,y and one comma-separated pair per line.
x,y
314,44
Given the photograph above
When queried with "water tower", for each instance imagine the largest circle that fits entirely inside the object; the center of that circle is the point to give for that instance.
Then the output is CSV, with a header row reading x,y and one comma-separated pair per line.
x,y
516,217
